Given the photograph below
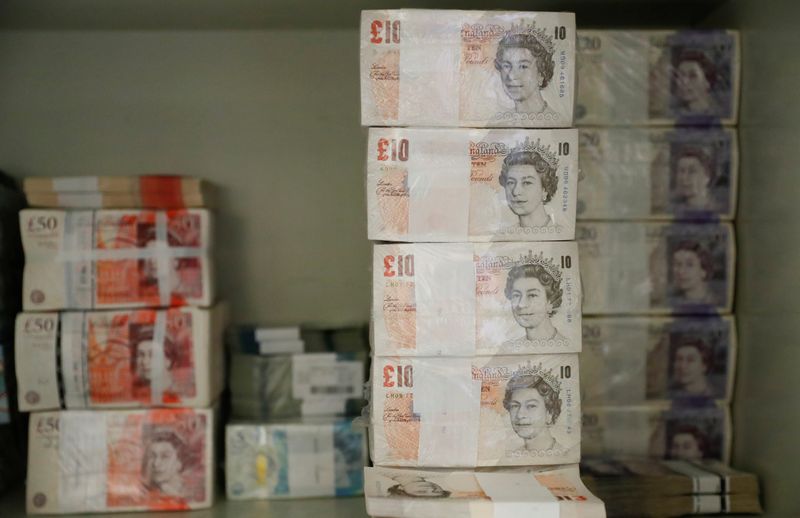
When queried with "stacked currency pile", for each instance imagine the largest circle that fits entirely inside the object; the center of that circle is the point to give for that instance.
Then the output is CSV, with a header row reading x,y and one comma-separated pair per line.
x,y
292,392
636,487
476,316
657,196
119,349
11,260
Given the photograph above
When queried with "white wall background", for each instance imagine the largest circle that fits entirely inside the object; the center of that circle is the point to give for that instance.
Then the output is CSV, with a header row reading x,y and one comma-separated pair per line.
x,y
271,117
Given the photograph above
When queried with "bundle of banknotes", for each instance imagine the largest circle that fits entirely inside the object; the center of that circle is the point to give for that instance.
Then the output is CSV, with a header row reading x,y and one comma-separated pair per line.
x,y
543,492
116,258
120,460
119,192
684,173
634,360
462,299
471,184
294,459
266,340
295,385
657,77
659,430
656,268
475,411
641,487
467,68
120,358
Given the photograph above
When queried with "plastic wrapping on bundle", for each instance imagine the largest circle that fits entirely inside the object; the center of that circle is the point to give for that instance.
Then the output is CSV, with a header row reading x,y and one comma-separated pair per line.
x,y
288,386
120,460
467,68
632,360
478,411
683,173
657,77
656,268
461,299
294,459
116,258
456,185
688,431
120,359
544,492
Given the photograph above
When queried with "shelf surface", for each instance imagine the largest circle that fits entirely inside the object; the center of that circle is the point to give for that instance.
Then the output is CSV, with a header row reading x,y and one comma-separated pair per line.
x,y
12,505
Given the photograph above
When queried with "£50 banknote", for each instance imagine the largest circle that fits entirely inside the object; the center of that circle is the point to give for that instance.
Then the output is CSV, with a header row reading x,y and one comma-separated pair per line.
x,y
120,460
116,258
461,299
471,184
480,411
467,68
120,358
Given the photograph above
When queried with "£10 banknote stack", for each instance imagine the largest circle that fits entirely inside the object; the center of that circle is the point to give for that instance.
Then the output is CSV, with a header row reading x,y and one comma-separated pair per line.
x,y
657,196
475,404
293,393
119,346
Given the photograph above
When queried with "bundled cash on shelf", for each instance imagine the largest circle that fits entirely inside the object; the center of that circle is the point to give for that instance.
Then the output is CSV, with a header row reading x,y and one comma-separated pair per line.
x,y
683,173
543,492
294,385
461,299
120,460
467,68
266,340
119,192
657,77
121,358
478,411
656,268
294,459
471,184
116,258
632,360
658,430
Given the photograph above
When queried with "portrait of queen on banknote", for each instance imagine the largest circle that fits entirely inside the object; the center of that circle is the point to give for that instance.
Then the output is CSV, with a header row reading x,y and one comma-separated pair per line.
x,y
697,184
171,466
691,271
692,75
529,176
533,402
534,291
526,65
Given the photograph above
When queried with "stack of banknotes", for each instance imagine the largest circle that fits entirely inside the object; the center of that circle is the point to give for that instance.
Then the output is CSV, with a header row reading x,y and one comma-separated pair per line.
x,y
636,487
543,492
476,314
656,198
119,350
119,192
294,458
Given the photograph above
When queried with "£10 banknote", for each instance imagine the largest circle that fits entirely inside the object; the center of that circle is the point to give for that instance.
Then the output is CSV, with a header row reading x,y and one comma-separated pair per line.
x,y
461,299
471,184
541,492
120,460
467,68
479,411
116,258
120,358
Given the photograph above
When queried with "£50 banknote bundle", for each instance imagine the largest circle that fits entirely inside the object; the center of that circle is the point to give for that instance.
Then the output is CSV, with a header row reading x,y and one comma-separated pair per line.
x,y
116,258
467,68
120,460
120,358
